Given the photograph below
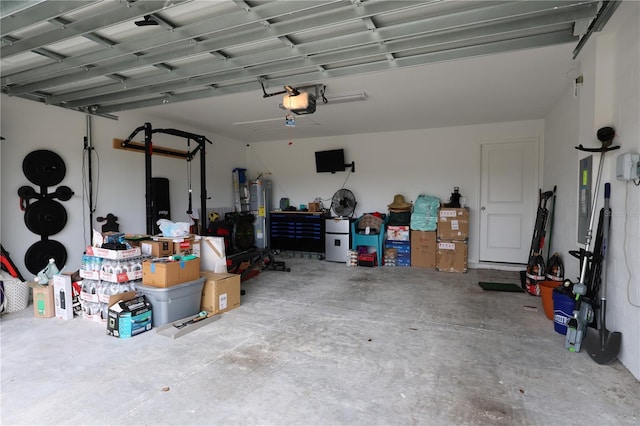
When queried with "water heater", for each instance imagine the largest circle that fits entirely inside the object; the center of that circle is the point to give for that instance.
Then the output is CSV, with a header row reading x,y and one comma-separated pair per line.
x,y
260,206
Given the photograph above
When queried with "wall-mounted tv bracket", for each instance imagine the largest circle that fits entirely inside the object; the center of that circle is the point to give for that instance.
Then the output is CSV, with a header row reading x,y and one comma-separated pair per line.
x,y
45,216
149,150
352,165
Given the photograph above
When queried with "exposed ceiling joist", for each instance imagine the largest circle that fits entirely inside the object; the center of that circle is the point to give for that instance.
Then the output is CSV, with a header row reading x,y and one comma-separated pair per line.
x,y
122,12
91,56
23,14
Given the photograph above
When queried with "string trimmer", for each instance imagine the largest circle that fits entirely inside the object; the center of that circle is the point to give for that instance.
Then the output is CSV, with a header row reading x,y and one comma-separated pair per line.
x,y
583,312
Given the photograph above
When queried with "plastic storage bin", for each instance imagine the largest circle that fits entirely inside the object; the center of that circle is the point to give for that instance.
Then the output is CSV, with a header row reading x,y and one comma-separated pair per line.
x,y
175,302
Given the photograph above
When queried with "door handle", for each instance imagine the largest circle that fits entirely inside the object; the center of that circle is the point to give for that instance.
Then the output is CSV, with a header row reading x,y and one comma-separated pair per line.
x,y
482,208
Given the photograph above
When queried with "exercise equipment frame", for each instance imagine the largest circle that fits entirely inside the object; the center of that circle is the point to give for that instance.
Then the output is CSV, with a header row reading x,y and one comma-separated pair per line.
x,y
148,152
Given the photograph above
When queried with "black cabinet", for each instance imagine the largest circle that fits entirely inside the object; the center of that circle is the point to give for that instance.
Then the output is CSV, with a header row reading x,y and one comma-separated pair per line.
x,y
297,231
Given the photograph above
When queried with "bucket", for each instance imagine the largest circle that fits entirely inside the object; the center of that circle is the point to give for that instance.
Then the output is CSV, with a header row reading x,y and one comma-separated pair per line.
x,y
563,306
546,290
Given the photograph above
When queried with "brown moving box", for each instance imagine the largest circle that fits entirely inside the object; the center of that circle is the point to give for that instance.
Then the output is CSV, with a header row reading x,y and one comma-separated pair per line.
x,y
424,249
178,245
221,292
453,223
452,256
170,273
157,248
314,207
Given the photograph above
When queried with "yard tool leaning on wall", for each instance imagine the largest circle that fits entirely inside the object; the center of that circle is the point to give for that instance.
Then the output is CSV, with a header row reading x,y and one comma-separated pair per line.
x,y
605,346
536,265
583,312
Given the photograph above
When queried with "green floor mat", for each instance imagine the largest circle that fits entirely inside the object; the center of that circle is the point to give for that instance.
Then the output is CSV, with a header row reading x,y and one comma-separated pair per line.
x,y
500,287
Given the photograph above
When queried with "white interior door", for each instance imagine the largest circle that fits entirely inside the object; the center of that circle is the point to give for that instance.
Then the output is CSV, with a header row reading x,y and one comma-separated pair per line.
x,y
508,197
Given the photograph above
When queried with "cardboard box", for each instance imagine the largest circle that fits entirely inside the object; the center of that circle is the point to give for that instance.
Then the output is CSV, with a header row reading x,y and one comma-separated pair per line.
x,y
221,292
403,261
187,246
43,305
63,296
453,223
113,254
181,245
129,317
398,233
402,247
152,248
424,249
96,308
168,273
452,256
313,207
111,237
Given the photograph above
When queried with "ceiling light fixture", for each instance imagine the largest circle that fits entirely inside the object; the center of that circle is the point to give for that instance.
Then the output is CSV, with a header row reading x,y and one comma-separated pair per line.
x,y
347,97
335,99
301,103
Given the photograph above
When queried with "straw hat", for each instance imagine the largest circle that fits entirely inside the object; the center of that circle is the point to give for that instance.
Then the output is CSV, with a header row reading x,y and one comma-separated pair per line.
x,y
399,203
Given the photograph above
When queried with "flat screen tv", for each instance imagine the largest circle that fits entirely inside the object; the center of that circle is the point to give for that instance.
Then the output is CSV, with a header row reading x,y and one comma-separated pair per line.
x,y
330,161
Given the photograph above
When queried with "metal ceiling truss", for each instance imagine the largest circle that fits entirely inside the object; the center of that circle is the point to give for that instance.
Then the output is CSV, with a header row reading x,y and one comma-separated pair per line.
x,y
90,56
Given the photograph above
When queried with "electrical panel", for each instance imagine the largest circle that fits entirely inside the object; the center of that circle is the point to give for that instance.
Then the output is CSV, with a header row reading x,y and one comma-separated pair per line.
x,y
628,166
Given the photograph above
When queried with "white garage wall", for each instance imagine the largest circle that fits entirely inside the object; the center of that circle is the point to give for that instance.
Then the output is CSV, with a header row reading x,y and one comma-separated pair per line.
x,y
118,175
610,96
561,167
410,163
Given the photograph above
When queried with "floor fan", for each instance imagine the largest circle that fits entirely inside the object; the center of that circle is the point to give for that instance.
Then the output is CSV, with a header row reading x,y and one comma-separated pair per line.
x,y
343,203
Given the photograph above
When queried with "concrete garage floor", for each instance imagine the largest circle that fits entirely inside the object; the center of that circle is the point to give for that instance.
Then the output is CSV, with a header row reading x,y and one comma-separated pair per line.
x,y
322,345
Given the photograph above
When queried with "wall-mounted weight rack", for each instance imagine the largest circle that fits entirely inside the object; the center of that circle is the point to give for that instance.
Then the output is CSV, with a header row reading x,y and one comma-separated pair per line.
x,y
43,215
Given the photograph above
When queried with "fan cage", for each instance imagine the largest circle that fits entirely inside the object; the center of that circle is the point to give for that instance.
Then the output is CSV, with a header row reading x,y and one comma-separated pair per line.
x,y
343,203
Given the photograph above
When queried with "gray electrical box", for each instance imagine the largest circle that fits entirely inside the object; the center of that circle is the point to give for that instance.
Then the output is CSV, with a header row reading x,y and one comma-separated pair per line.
x,y
628,166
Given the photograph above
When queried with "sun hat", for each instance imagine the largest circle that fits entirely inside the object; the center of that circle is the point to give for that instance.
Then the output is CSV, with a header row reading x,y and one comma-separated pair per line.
x,y
399,203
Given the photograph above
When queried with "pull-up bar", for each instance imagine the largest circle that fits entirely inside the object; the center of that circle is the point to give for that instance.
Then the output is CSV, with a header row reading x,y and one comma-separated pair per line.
x,y
148,152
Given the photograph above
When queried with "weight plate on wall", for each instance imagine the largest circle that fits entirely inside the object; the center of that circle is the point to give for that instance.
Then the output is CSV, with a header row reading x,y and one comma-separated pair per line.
x,y
44,168
38,255
62,193
45,217
27,193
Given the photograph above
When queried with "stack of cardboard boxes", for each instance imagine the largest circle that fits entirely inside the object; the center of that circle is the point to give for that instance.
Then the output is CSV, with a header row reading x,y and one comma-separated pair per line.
x,y
452,239
397,239
197,283
156,282
108,276
424,222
